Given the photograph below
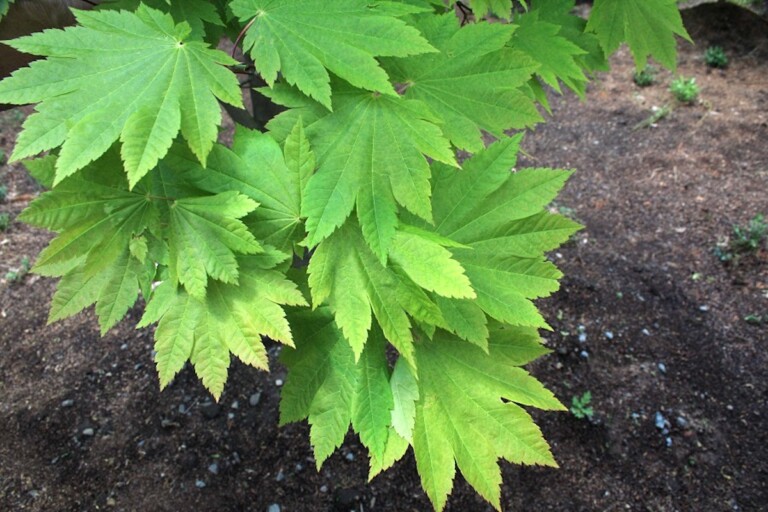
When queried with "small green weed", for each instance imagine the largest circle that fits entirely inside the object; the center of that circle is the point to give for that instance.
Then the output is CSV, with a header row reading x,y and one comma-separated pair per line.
x,y
755,319
645,77
715,57
3,193
684,89
15,276
2,157
744,240
5,221
581,406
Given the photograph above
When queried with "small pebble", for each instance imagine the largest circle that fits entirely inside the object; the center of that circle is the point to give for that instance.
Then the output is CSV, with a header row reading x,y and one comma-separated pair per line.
x,y
609,335
273,508
662,368
582,337
704,308
235,405
661,422
67,403
668,441
646,332
729,407
255,399
88,432
231,416
213,469
350,456
124,346
138,366
681,422
200,484
278,382
210,409
584,354
280,476
324,489
299,468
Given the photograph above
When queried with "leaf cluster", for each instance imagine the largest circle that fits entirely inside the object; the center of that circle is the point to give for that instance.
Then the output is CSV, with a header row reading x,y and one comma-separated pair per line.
x,y
392,171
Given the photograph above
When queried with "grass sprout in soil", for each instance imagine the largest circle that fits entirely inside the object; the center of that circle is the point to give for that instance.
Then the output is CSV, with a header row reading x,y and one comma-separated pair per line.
x,y
685,90
715,57
84,426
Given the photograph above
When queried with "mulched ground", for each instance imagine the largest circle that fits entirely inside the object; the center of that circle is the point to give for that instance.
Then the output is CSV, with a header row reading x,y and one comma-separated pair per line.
x,y
648,320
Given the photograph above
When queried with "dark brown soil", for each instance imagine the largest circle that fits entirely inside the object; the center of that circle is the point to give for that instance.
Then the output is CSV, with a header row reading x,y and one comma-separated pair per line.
x,y
666,340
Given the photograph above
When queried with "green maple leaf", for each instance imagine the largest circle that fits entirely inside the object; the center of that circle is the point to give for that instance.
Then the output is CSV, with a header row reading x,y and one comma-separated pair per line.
x,y
326,385
345,273
305,39
371,154
204,235
468,411
114,290
134,76
572,28
473,84
498,216
648,26
557,56
95,215
257,168
230,319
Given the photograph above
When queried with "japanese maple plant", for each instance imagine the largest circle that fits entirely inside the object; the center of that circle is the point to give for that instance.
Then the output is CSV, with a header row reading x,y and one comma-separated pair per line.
x,y
415,313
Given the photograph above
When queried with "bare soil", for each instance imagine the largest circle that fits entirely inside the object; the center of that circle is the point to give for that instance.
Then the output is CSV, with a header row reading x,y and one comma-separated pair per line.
x,y
679,379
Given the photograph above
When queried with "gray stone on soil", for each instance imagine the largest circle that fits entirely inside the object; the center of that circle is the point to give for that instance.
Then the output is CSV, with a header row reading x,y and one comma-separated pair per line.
x,y
584,354
210,409
273,508
350,456
67,403
662,368
323,489
200,484
681,422
213,469
255,399
88,432
280,476
609,335
235,405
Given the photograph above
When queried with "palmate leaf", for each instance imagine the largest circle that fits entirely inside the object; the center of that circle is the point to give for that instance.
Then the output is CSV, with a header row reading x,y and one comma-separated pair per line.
x,y
346,275
461,417
96,217
648,26
114,291
371,154
256,167
473,84
497,215
326,385
230,319
204,235
556,55
134,76
304,39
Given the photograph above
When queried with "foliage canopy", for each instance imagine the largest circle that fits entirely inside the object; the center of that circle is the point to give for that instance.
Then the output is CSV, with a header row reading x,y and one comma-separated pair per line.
x,y
424,266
